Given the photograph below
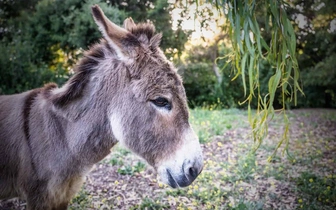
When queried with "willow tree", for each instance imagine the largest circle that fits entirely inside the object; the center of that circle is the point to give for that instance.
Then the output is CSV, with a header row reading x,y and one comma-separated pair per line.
x,y
251,48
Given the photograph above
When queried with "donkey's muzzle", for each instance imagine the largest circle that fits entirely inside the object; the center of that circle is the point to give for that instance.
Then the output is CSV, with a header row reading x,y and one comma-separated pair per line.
x,y
190,173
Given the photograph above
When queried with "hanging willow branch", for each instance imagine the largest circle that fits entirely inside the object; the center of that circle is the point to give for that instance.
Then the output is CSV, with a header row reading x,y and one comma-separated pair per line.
x,y
250,49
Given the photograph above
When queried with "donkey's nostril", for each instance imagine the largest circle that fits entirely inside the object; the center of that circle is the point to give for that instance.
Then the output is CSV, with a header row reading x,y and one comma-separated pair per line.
x,y
193,172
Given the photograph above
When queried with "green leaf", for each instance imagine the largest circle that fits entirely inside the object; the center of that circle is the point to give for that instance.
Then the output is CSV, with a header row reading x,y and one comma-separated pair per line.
x,y
247,39
255,29
273,84
243,64
237,33
251,76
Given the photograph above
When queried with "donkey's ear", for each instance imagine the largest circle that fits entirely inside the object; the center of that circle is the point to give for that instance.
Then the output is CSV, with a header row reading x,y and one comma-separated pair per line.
x,y
155,40
111,32
129,24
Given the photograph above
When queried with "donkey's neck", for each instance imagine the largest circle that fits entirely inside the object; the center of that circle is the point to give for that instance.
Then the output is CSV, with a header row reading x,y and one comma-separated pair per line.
x,y
92,139
85,99
89,134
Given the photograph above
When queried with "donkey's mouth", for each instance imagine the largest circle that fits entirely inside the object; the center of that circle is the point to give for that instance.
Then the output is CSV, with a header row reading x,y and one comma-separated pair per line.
x,y
175,182
171,180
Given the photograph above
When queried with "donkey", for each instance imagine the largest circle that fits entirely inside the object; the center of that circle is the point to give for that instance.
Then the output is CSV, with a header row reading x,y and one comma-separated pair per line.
x,y
123,90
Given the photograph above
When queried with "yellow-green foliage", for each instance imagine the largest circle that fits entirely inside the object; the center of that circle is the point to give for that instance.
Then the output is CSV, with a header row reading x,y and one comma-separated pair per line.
x,y
250,48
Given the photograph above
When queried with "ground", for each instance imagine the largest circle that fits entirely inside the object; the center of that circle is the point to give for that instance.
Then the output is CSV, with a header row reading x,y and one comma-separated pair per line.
x,y
233,176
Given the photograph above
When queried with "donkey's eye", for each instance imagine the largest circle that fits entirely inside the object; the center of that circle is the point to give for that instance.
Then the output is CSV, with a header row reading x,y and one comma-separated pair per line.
x,y
161,102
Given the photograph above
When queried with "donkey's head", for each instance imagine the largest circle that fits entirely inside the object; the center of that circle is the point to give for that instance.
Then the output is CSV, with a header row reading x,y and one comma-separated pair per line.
x,y
148,110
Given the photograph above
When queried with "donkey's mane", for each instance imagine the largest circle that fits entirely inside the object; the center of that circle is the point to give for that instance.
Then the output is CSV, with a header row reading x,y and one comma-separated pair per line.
x,y
143,29
83,72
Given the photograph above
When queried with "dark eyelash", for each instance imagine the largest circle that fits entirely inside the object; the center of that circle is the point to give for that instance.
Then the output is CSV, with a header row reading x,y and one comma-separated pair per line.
x,y
162,103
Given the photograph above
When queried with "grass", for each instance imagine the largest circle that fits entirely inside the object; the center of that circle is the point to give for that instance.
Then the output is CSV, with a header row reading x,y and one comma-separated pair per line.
x,y
316,191
212,123
148,203
233,176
